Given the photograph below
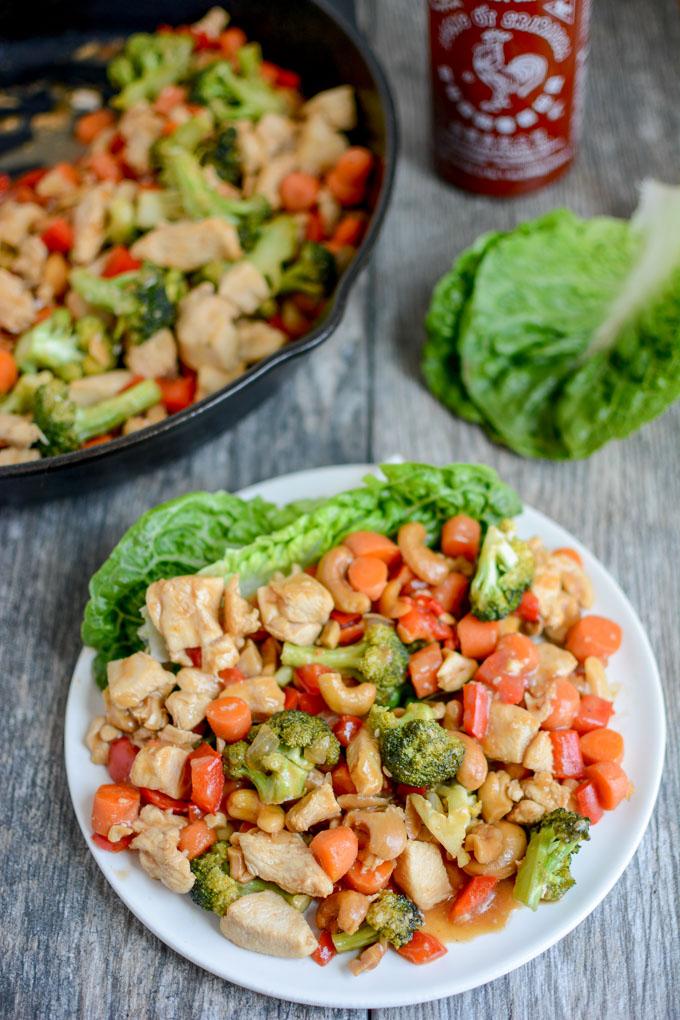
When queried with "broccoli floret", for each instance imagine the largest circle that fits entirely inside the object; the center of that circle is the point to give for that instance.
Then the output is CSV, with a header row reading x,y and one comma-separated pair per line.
x,y
504,572
309,733
144,300
184,173
22,398
275,245
121,218
156,206
380,659
222,153
147,64
545,874
447,813
315,272
414,748
232,96
101,353
214,888
66,426
52,344
392,916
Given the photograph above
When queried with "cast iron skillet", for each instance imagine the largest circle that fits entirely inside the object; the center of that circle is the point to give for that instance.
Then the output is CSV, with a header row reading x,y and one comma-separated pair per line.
x,y
307,35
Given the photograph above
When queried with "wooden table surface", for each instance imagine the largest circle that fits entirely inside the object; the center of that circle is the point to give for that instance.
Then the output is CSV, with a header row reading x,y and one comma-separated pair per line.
x,y
69,948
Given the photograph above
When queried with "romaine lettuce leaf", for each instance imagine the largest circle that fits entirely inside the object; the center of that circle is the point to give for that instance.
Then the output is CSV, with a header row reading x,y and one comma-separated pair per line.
x,y
569,333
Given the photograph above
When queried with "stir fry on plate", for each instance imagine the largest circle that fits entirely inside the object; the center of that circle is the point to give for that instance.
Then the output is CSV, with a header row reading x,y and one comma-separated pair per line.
x,y
405,725
203,227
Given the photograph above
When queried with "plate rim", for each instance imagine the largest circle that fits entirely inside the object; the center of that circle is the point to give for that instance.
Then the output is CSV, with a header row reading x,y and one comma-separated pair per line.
x,y
507,963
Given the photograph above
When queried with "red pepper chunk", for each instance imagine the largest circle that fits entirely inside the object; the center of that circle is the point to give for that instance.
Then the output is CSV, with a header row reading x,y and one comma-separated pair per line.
x,y
342,780
119,260
567,757
529,608
207,778
179,393
421,624
474,898
325,951
162,801
422,948
307,677
115,848
587,801
423,667
346,728
593,713
506,669
476,709
58,236
122,753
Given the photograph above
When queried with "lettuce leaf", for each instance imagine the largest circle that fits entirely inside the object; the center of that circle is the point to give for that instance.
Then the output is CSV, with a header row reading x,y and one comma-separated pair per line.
x,y
410,492
177,537
567,333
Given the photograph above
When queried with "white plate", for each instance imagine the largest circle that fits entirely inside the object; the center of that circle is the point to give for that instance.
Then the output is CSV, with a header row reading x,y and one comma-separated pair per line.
x,y
195,934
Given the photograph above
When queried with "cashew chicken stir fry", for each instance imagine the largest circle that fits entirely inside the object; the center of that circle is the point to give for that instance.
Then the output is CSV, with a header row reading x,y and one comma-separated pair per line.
x,y
395,730
203,227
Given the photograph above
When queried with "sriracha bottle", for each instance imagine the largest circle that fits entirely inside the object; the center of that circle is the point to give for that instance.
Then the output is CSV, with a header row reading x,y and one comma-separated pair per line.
x,y
507,90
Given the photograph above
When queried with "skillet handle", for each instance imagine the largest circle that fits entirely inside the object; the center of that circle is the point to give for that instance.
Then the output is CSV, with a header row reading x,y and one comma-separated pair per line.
x,y
347,9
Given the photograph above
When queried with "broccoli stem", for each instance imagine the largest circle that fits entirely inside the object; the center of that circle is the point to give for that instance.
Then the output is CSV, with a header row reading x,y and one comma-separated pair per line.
x,y
276,245
345,658
531,874
110,414
365,936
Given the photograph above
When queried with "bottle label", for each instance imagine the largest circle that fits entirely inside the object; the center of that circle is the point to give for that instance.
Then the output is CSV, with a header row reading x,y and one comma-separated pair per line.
x,y
508,78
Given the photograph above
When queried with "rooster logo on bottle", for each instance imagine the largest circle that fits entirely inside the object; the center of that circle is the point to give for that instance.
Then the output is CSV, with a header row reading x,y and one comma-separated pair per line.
x,y
518,77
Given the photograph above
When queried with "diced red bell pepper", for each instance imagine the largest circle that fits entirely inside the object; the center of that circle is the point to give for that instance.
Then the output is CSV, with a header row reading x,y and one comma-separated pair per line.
x,y
312,703
315,230
587,801
281,77
423,948
291,698
307,677
58,236
206,777
122,753
474,898
119,260
476,709
593,713
162,801
507,668
196,656
423,667
567,757
529,608
6,183
325,951
105,166
179,393
115,848
346,728
232,675
350,635
342,780
451,593
421,624
403,789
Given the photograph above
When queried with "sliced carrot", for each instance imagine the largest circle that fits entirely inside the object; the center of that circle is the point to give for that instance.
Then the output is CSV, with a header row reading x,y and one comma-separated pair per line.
x,y
601,745
114,804
368,575
372,543
593,713
340,775
565,704
349,230
567,758
355,165
593,635
231,41
461,536
335,850
229,718
196,838
9,373
474,898
369,880
315,227
611,783
477,638
92,125
571,553
423,667
299,191
347,193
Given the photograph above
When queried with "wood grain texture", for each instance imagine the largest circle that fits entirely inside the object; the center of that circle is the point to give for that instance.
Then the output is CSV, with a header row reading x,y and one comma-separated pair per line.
x,y
68,947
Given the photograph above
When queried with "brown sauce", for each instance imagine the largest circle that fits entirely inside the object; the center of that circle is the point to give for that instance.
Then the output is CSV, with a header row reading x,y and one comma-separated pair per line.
x,y
494,918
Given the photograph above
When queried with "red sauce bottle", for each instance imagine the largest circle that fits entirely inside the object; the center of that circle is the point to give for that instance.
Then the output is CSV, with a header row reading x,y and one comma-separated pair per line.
x,y
507,90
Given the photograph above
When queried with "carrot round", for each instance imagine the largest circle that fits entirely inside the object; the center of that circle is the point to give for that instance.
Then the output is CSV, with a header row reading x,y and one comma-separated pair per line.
x,y
571,553
92,124
354,165
565,704
9,373
196,838
369,880
335,850
477,638
593,635
349,230
601,745
611,783
461,536
299,191
368,575
114,804
372,543
229,718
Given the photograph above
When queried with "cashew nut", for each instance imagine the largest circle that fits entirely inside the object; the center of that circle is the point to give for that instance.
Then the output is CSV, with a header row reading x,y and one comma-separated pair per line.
x,y
514,844
331,573
364,764
344,910
386,831
390,604
426,564
474,768
493,795
346,700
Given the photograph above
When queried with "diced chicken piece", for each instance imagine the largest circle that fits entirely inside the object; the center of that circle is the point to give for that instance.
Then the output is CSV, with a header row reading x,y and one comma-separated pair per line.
x,y
30,261
511,730
16,303
133,679
160,766
187,245
539,754
276,134
17,219
186,612
455,671
89,222
17,431
210,380
155,358
542,794
420,872
284,858
196,690
319,805
319,147
264,923
250,147
250,661
56,184
554,662
206,331
238,616
596,678
330,210
182,738
262,694
98,737
295,608
141,421
219,654
11,455
336,106
93,388
364,763
268,182
244,286
140,127
257,340
157,837
151,714
212,23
